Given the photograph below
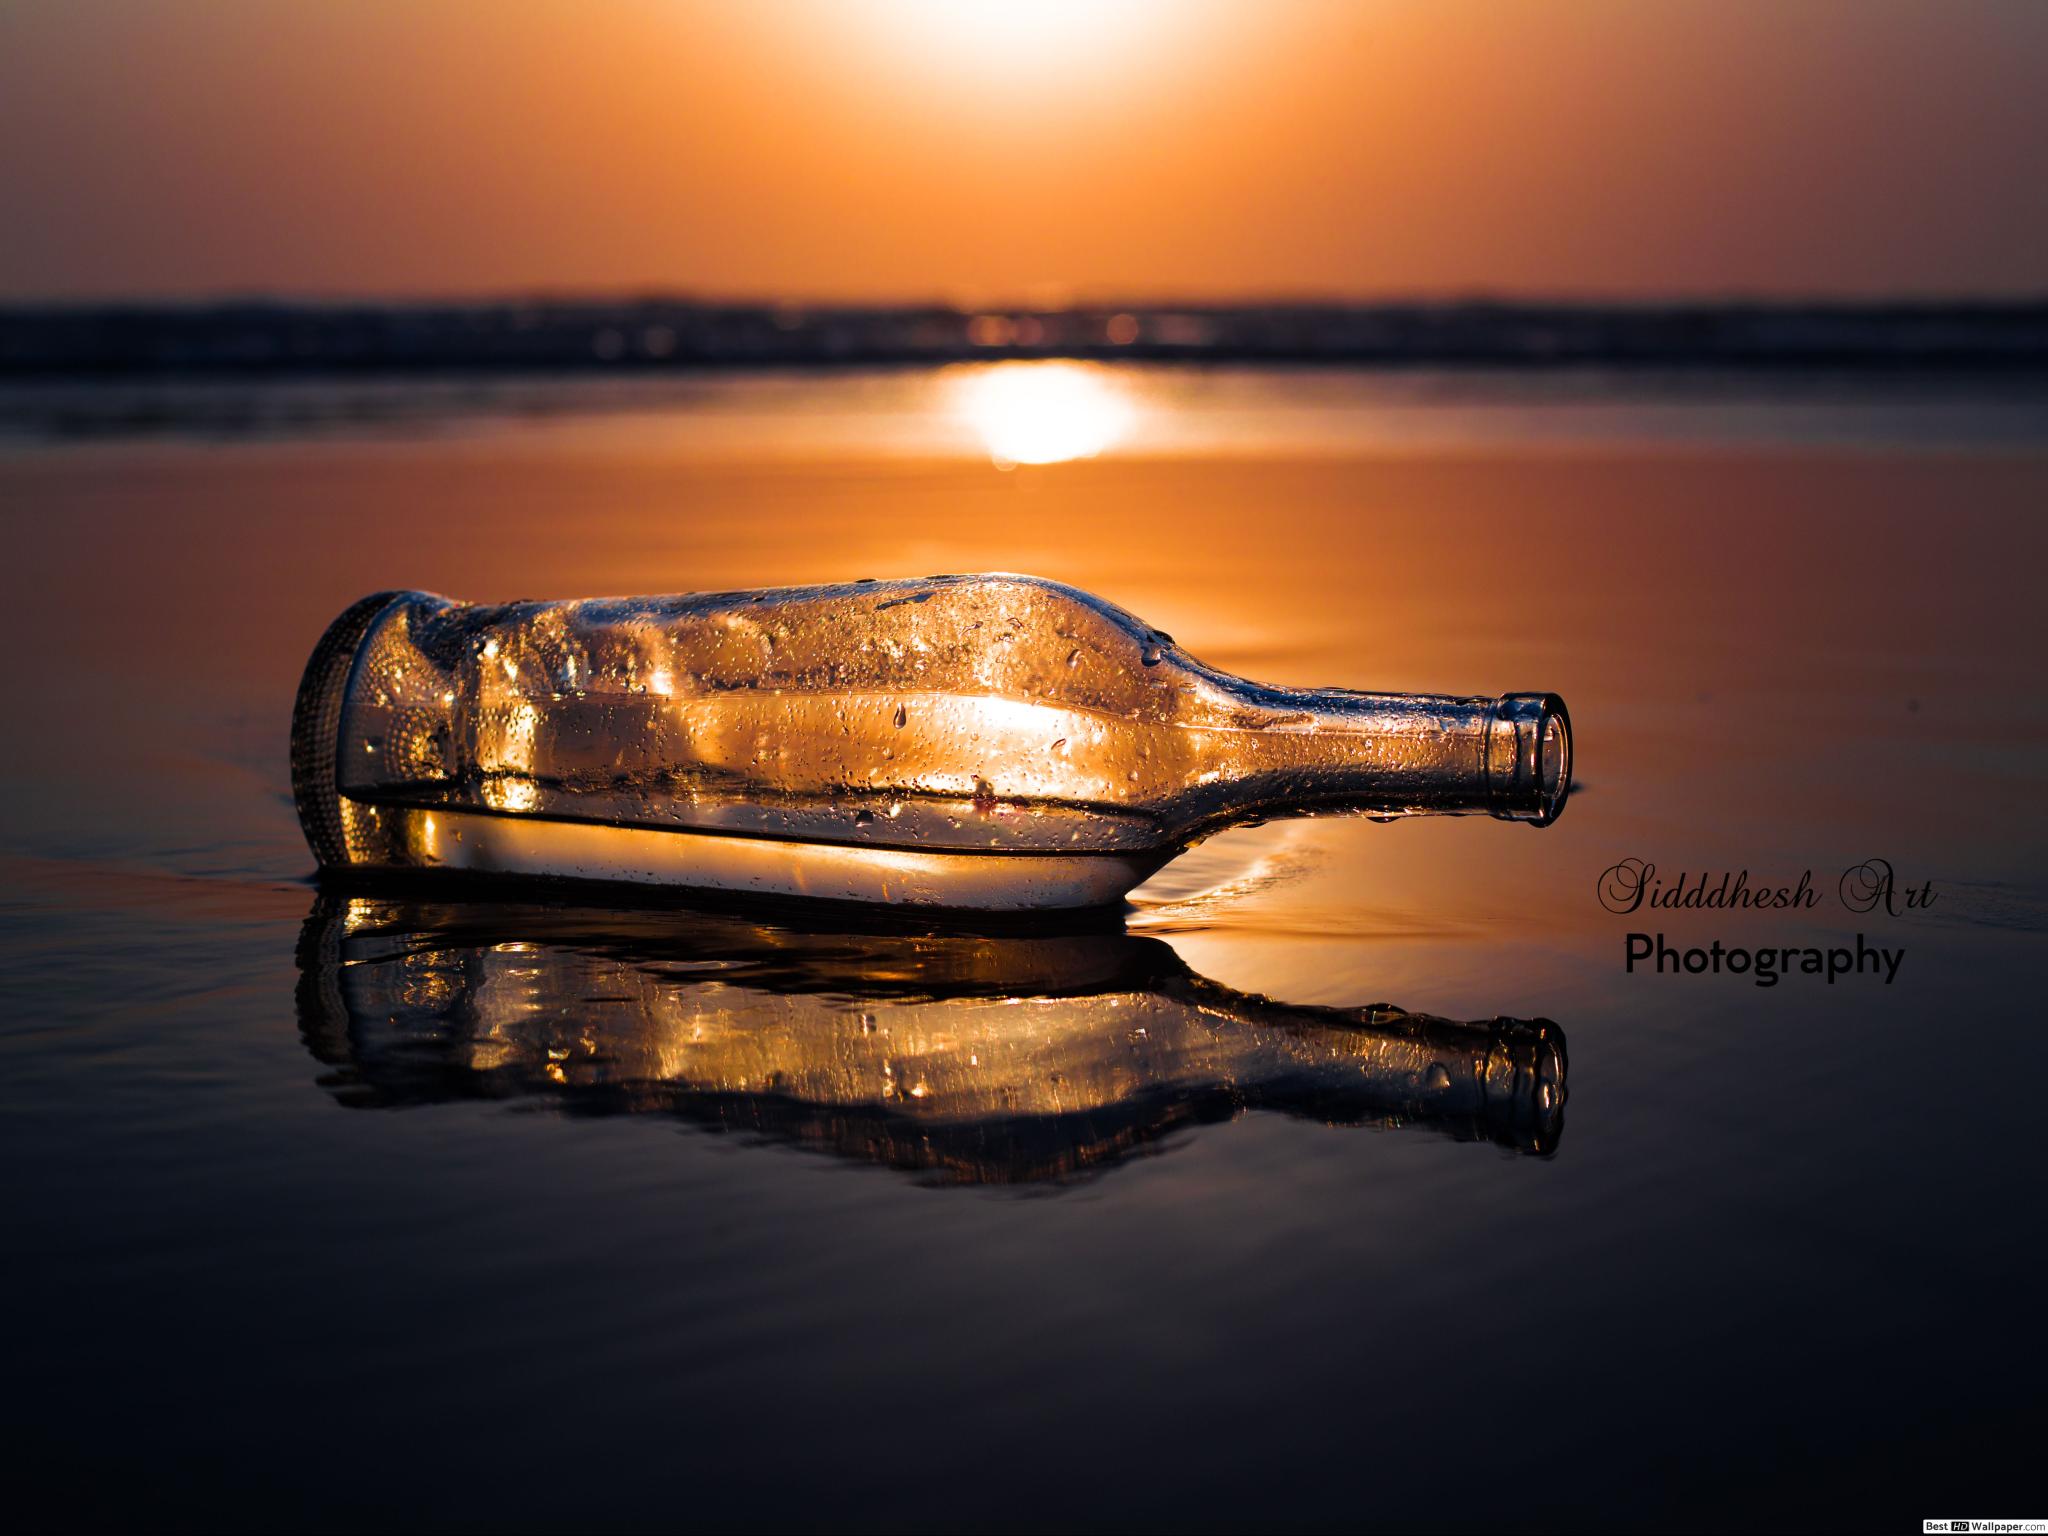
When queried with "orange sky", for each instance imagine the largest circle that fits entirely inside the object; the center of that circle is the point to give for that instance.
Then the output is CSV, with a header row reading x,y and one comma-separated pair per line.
x,y
1028,149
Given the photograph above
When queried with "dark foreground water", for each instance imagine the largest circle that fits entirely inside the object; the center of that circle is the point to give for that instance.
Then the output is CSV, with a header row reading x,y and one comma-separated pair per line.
x,y
427,1208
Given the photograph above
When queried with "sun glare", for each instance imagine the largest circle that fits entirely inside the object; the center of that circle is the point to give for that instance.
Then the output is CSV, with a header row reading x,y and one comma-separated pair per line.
x,y
1039,46
1042,413
996,29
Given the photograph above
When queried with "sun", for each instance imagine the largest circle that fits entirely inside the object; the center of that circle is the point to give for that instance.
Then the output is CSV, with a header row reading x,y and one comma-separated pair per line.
x,y
1045,27
1039,46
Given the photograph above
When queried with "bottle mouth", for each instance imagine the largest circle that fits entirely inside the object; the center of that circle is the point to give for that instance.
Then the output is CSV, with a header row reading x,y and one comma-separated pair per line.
x,y
1529,758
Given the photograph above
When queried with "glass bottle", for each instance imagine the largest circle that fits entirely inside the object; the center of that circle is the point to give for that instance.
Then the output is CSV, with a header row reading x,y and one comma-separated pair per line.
x,y
985,742
978,1058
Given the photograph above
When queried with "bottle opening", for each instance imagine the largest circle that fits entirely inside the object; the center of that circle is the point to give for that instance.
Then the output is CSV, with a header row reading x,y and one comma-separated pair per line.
x,y
1529,758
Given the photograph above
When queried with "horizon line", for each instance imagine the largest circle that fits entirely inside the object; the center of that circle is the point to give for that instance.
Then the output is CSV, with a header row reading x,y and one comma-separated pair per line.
x,y
964,303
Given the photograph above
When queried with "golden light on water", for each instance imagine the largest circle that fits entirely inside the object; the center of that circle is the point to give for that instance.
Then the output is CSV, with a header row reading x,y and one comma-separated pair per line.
x,y
1043,413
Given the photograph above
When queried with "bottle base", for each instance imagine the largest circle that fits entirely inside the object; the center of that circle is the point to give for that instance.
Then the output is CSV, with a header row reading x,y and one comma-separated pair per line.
x,y
481,843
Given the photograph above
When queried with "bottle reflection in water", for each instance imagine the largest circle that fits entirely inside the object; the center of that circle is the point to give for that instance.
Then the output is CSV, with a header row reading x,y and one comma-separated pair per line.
x,y
992,742
966,1058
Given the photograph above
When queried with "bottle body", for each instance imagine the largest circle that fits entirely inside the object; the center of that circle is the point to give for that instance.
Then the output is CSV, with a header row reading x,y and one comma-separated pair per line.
x,y
906,733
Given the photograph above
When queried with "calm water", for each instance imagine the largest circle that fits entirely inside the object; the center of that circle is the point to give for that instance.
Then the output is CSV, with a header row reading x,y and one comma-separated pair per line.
x,y
459,1209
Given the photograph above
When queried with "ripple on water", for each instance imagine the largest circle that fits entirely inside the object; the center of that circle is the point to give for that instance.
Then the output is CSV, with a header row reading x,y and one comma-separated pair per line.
x,y
1214,882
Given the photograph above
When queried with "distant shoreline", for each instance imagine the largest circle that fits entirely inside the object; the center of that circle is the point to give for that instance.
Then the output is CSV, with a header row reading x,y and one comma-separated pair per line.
x,y
260,338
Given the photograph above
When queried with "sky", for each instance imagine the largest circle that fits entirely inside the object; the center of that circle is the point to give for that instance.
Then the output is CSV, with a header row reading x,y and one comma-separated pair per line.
x,y
1023,151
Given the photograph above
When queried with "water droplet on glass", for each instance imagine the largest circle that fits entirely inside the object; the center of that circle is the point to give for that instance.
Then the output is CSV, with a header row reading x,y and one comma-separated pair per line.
x,y
901,715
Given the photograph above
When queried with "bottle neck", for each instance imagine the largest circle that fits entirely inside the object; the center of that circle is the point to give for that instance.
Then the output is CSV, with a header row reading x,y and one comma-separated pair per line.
x,y
1401,754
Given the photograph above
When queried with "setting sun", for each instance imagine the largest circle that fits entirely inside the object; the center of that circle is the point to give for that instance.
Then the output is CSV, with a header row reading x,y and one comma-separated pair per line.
x,y
1045,44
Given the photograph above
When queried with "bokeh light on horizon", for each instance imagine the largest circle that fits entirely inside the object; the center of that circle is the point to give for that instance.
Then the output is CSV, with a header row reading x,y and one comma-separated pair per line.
x,y
989,154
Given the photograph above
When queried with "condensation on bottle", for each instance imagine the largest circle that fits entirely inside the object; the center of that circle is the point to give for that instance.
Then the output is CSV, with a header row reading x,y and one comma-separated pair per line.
x,y
990,742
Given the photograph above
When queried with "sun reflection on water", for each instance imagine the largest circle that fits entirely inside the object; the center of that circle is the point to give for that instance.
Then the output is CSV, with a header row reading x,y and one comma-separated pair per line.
x,y
1042,413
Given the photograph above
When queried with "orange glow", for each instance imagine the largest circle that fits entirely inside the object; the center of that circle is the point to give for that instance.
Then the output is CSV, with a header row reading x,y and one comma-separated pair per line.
x,y
995,153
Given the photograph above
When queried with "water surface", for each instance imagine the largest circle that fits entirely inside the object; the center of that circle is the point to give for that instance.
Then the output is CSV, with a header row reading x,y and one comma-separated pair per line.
x,y
426,1208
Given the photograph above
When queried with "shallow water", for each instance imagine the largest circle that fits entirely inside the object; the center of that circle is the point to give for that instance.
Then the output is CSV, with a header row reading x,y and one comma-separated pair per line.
x,y
450,1208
